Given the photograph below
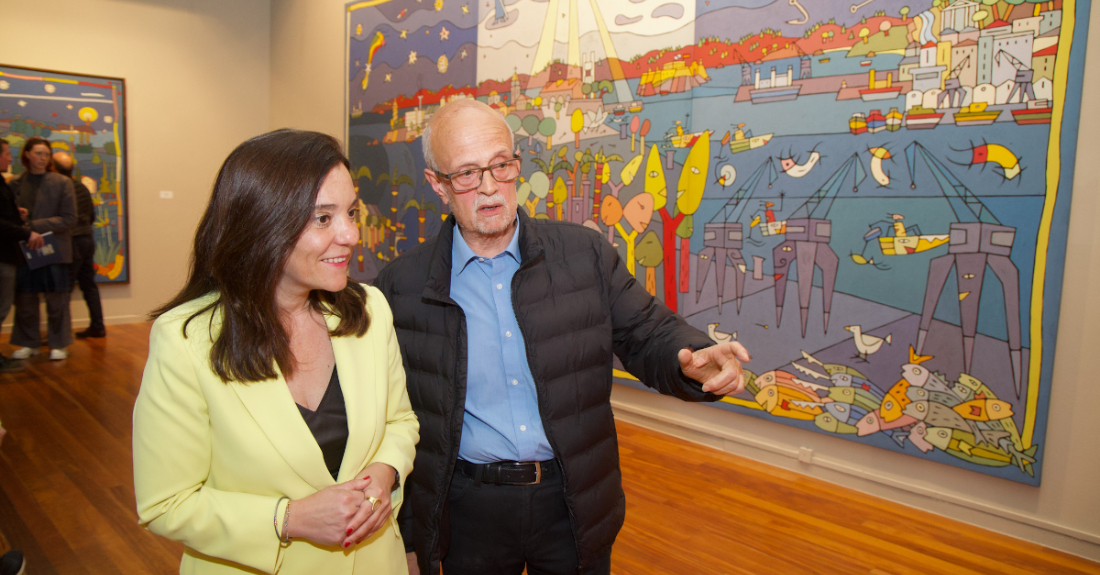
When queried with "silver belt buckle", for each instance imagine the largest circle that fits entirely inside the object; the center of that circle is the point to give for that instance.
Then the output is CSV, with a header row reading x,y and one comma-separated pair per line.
x,y
538,472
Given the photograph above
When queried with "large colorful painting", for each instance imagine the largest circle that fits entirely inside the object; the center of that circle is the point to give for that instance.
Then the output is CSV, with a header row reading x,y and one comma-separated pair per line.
x,y
871,195
85,116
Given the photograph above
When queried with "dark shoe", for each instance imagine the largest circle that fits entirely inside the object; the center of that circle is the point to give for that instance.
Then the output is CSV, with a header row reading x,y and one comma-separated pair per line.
x,y
10,366
12,563
92,332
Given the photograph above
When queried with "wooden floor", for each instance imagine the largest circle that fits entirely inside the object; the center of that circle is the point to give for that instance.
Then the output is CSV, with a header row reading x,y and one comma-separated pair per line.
x,y
67,501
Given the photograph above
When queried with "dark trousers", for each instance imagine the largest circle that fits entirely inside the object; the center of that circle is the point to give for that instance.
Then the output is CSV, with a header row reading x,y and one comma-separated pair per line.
x,y
25,331
500,529
83,271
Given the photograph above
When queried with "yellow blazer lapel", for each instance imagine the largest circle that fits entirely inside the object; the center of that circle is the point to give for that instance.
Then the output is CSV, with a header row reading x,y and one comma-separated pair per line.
x,y
355,365
274,410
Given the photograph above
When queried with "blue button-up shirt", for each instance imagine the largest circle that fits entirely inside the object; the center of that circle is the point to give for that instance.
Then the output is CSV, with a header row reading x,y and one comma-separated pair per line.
x,y
502,420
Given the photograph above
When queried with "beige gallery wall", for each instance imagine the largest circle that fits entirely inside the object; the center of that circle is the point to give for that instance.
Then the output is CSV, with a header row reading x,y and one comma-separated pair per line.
x,y
307,78
197,82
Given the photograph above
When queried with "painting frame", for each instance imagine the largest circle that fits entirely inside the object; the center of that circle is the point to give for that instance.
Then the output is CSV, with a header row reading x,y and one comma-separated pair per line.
x,y
106,98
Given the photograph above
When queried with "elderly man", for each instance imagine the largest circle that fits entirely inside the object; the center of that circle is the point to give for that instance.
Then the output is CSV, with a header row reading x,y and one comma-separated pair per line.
x,y
508,326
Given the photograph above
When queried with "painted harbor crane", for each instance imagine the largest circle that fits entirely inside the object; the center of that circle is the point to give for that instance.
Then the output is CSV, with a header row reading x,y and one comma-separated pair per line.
x,y
808,232
952,88
723,238
1022,82
977,240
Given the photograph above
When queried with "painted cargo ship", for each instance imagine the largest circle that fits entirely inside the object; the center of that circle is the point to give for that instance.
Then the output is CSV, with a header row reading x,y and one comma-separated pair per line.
x,y
876,122
879,90
858,124
893,120
635,107
976,114
618,110
1037,112
921,118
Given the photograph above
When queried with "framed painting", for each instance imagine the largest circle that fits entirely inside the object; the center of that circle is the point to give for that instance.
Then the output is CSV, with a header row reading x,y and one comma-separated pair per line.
x,y
85,116
872,196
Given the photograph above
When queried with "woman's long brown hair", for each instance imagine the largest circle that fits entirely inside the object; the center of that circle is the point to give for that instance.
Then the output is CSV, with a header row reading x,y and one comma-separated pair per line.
x,y
263,199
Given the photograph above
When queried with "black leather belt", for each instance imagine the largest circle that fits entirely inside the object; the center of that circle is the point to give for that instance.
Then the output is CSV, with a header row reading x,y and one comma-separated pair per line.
x,y
508,472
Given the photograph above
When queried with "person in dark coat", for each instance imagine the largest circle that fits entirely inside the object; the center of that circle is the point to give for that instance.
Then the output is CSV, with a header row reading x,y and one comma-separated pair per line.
x,y
12,231
83,267
51,207
508,329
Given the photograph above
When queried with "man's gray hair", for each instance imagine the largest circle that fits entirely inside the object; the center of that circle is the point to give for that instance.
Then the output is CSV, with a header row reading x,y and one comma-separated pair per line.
x,y
426,137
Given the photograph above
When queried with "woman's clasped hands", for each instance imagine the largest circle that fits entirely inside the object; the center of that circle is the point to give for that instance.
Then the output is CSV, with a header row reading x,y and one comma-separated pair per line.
x,y
347,513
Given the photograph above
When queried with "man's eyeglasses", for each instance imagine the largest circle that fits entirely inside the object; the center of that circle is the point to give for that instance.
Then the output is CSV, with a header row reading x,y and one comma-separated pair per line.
x,y
469,180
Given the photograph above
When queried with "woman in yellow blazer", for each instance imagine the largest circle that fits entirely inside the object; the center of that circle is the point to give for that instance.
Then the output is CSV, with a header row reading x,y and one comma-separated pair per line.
x,y
272,427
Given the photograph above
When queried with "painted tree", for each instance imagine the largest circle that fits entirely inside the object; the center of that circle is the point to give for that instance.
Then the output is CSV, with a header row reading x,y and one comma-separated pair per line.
x,y
649,255
560,194
576,124
865,34
611,211
904,13
643,130
635,123
656,186
992,4
603,176
693,180
884,27
540,186
979,18
530,124
582,164
515,124
547,127
422,209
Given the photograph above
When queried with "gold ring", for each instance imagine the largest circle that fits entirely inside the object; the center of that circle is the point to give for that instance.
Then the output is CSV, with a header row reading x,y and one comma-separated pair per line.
x,y
373,502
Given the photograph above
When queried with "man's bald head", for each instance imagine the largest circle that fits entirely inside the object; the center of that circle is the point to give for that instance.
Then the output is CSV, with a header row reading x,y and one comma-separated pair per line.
x,y
63,163
452,116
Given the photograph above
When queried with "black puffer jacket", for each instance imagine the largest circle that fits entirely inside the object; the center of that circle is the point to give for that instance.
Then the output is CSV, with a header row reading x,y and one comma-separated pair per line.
x,y
576,305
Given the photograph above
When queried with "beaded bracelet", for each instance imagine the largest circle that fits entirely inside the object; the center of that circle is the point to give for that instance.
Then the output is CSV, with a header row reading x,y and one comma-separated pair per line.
x,y
275,519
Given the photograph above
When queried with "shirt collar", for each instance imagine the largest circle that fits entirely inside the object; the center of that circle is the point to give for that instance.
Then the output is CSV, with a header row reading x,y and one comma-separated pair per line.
x,y
462,254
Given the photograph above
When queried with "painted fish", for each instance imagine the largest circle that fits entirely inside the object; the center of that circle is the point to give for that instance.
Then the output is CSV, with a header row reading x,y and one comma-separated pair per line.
x,y
939,415
781,402
961,444
828,422
847,380
921,394
872,423
843,412
855,396
984,409
893,405
916,435
835,368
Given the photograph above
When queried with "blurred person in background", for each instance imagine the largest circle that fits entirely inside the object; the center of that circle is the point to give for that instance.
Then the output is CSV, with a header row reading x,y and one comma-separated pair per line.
x,y
50,205
83,268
